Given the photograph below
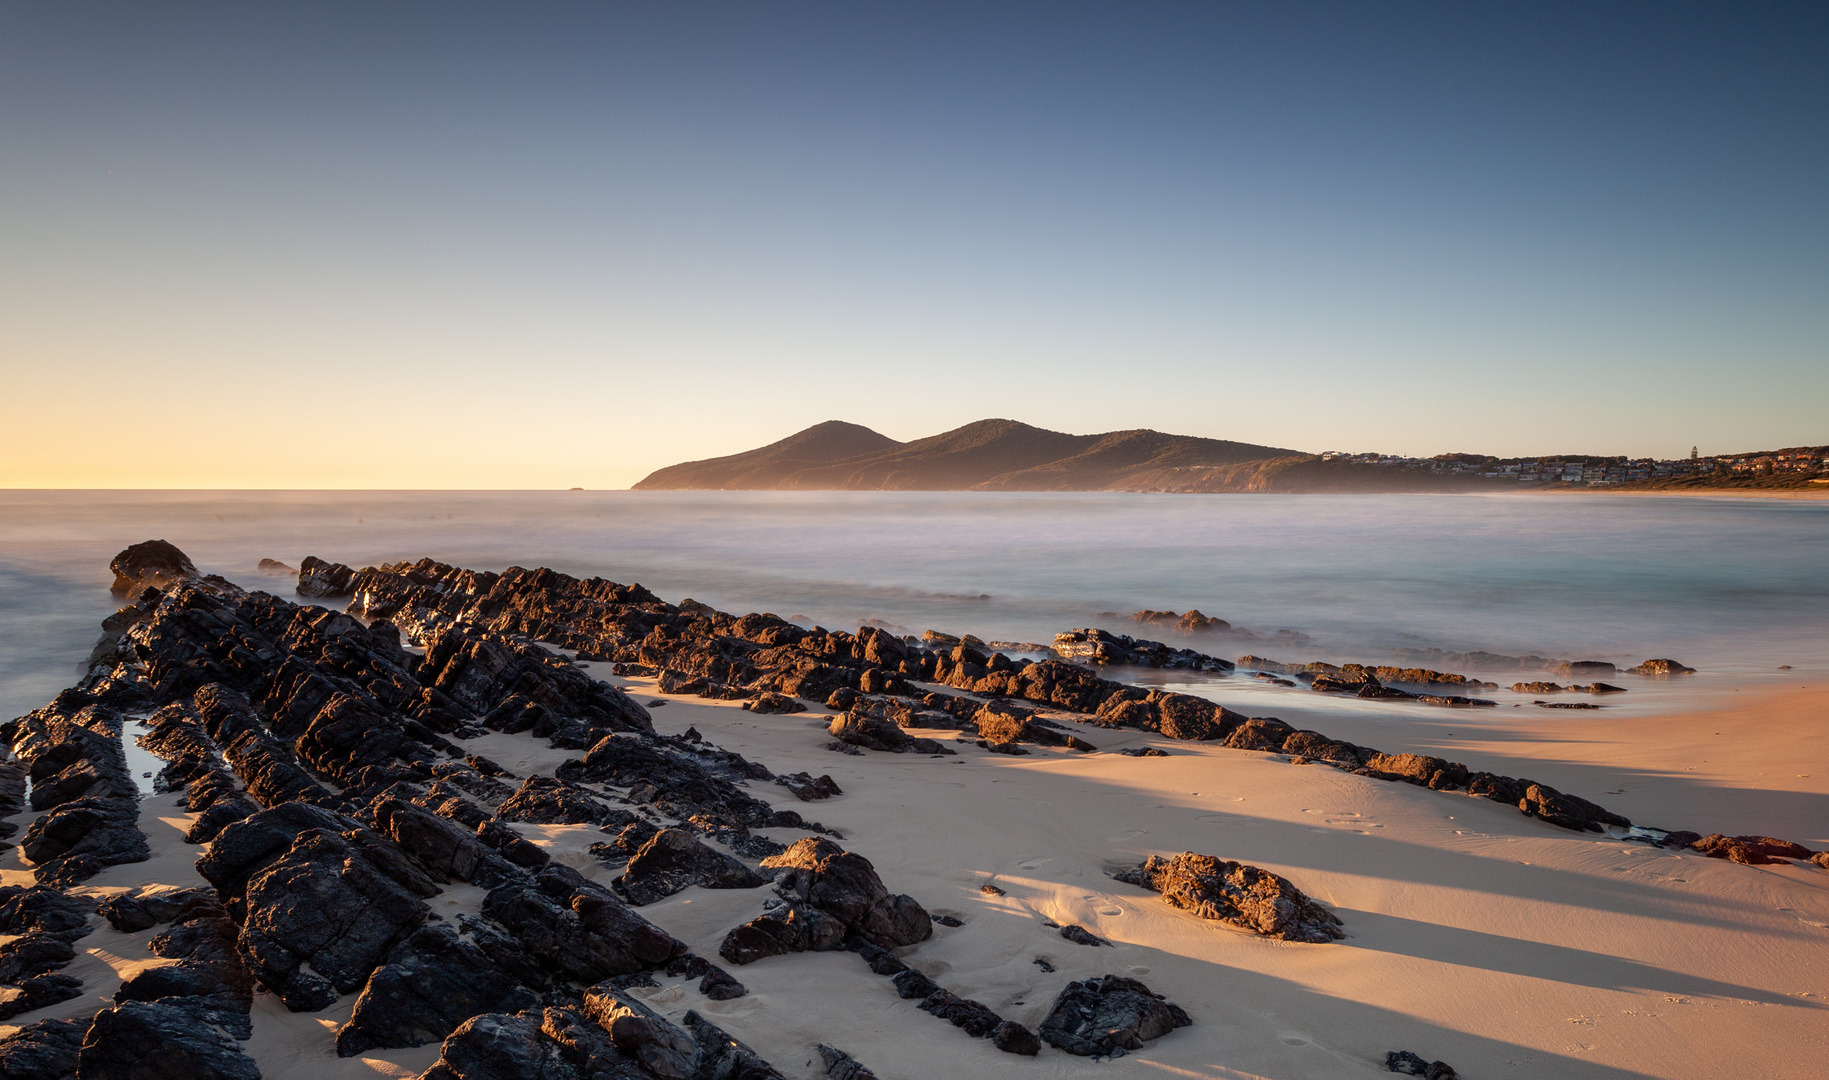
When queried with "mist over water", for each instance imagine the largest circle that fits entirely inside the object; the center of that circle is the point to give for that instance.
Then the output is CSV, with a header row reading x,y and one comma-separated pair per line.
x,y
1732,586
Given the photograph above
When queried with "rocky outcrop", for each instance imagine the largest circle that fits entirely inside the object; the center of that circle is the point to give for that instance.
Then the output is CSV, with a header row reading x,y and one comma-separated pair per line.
x,y
317,578
1236,894
832,895
1108,1016
1751,850
149,564
1192,623
1103,647
79,774
1661,667
543,800
321,916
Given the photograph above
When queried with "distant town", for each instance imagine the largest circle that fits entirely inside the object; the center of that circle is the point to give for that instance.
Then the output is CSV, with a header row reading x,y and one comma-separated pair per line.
x,y
1797,466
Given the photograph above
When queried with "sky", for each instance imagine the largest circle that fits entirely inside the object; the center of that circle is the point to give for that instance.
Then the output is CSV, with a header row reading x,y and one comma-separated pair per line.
x,y
392,245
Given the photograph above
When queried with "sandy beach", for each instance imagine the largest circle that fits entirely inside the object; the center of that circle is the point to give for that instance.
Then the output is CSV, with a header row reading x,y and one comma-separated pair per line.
x,y
1475,935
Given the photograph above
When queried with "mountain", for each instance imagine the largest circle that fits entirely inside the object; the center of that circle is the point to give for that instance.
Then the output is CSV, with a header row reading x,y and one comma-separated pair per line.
x,y
989,455
770,466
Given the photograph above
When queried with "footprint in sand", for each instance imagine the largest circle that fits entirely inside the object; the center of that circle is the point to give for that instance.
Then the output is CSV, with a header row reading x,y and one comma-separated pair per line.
x,y
1126,836
1293,1039
1139,971
1111,912
1032,864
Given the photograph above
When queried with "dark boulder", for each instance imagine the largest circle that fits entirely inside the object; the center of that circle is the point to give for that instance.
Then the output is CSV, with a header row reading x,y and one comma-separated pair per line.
x,y
428,985
809,788
869,733
840,1065
1569,811
156,1040
1079,935
317,578
675,859
77,840
790,928
130,913
770,702
1108,1015
1409,1064
577,929
333,903
1239,895
501,1046
1012,1038
543,800
972,1017
845,885
46,1050
913,985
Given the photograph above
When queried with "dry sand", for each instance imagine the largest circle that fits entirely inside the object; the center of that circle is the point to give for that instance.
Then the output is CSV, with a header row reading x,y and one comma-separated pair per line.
x,y
1502,945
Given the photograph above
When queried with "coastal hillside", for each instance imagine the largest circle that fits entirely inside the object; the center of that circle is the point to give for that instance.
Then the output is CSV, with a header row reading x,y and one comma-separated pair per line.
x,y
991,455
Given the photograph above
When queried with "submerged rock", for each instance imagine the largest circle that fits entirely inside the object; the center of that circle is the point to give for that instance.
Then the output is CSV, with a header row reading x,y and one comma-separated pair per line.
x,y
1108,1015
1236,894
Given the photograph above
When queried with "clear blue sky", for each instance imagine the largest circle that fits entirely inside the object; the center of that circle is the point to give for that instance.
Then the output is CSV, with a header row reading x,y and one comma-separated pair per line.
x,y
541,245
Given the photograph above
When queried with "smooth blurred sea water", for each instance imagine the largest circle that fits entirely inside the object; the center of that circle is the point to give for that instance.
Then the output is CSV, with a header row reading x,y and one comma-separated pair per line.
x,y
1735,587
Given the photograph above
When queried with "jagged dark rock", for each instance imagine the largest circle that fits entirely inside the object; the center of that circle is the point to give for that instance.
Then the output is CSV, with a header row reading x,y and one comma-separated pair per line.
x,y
1012,1038
1107,1016
132,912
150,563
809,788
427,986
46,1050
1569,811
972,1017
333,902
1104,647
674,859
1079,935
840,1065
317,578
579,930
1236,894
844,885
543,800
790,928
174,1038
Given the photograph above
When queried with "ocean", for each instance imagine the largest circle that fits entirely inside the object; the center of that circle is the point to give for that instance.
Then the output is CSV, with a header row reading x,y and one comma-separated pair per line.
x,y
1733,587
